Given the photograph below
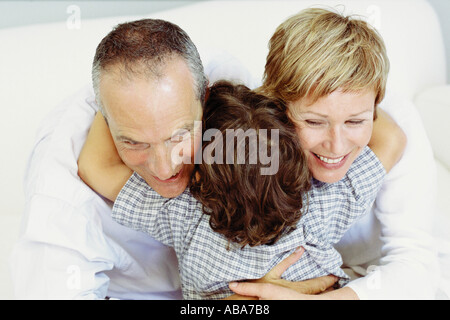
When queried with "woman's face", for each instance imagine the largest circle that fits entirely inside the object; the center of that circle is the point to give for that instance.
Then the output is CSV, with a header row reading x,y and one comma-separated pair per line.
x,y
333,130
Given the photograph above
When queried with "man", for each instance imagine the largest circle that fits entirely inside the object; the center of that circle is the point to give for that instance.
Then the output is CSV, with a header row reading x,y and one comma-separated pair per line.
x,y
150,85
149,93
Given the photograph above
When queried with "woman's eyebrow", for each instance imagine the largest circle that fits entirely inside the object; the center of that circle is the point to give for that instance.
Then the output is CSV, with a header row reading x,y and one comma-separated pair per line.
x,y
314,113
326,116
362,112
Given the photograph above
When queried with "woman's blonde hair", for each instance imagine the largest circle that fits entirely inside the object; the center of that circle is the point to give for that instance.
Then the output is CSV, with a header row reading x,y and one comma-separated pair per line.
x,y
318,51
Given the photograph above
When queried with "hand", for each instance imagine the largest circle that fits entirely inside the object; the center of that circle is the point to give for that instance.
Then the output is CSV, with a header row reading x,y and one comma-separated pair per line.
x,y
266,291
271,286
269,291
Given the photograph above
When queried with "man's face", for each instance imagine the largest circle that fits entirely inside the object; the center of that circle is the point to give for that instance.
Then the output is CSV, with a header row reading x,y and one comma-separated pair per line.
x,y
333,131
149,118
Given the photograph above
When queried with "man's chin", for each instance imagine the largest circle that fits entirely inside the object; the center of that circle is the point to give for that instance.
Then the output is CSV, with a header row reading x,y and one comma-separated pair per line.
x,y
169,189
170,192
172,187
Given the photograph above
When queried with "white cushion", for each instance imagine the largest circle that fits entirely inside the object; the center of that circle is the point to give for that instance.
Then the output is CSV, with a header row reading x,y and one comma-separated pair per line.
x,y
434,108
443,192
9,231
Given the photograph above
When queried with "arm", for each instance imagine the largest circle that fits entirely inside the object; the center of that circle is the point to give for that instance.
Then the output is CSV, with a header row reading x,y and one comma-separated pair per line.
x,y
269,291
403,214
99,164
388,140
63,244
47,265
272,287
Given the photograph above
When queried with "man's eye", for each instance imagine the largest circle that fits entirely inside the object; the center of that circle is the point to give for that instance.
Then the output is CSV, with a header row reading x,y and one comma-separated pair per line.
x,y
180,137
135,145
176,139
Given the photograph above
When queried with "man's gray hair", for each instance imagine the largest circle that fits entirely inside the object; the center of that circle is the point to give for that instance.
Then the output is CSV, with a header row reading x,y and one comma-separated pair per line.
x,y
142,47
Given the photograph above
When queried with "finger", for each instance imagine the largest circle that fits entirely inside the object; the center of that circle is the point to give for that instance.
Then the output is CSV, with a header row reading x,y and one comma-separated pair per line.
x,y
280,268
264,291
240,297
259,290
318,285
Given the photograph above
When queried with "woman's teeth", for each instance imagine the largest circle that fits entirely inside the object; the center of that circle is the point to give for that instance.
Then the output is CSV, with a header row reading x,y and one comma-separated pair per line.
x,y
331,161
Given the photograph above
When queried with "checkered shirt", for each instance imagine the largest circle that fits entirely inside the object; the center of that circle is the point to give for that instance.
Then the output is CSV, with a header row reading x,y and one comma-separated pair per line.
x,y
208,261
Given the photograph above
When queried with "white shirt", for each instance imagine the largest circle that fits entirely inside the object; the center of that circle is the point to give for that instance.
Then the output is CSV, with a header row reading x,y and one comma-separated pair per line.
x,y
394,243
70,247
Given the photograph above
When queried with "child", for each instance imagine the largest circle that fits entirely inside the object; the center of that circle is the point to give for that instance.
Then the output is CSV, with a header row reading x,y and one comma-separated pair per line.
x,y
235,223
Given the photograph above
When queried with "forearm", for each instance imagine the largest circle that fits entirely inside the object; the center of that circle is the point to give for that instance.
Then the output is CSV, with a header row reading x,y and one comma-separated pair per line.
x,y
404,210
345,293
100,181
99,164
408,266
388,140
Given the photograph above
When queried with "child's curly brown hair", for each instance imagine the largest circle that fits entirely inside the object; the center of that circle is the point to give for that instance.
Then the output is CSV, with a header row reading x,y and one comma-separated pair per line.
x,y
249,208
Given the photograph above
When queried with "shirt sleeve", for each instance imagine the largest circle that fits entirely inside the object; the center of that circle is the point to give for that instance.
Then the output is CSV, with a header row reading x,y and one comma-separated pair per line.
x,y
54,261
404,208
365,177
62,252
141,208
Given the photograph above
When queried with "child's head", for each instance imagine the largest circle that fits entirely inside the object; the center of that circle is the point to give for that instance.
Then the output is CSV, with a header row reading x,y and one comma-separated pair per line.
x,y
247,204
317,52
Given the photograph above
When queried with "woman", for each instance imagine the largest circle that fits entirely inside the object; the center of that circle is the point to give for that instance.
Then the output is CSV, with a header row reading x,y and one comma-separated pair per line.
x,y
331,71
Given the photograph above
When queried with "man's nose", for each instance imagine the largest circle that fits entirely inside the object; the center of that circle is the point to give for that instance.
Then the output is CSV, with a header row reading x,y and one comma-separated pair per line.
x,y
161,164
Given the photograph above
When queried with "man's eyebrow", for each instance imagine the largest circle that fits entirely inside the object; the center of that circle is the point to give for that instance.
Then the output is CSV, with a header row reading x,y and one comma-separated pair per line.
x,y
186,127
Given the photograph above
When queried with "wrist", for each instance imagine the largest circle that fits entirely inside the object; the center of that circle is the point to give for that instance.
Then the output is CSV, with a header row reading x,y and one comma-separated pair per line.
x,y
345,293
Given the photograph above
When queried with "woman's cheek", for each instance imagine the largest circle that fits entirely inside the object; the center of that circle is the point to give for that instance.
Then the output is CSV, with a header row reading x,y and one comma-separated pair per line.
x,y
308,138
362,135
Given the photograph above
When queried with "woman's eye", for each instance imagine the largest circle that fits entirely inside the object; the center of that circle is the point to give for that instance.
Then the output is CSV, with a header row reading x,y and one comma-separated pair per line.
x,y
313,123
355,122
